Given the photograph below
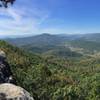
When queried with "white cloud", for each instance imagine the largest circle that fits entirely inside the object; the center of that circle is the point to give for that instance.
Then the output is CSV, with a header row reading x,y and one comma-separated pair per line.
x,y
14,14
14,21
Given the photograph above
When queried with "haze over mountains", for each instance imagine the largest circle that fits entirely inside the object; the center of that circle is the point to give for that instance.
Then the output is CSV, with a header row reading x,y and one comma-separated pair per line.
x,y
46,65
50,66
47,43
54,38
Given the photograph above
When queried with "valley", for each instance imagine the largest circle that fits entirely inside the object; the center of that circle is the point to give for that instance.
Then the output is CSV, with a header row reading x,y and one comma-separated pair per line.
x,y
49,49
55,67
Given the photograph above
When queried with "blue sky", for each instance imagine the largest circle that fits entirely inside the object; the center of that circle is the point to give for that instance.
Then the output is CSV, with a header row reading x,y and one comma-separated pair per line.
x,y
30,17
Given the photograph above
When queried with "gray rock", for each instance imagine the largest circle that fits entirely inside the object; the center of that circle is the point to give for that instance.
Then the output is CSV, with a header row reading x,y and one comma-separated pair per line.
x,y
2,54
5,71
12,92
9,91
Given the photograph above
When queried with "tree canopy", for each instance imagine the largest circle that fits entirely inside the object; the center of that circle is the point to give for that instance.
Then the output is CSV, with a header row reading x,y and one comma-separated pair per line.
x,y
4,3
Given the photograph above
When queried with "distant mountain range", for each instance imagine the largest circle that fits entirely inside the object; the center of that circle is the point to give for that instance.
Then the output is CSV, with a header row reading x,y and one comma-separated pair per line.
x,y
44,39
48,38
54,44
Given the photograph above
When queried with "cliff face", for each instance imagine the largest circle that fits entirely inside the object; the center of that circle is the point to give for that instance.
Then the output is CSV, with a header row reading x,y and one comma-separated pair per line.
x,y
9,91
5,71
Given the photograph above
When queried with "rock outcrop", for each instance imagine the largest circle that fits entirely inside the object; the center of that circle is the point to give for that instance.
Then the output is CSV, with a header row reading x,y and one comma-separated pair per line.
x,y
9,91
5,71
12,92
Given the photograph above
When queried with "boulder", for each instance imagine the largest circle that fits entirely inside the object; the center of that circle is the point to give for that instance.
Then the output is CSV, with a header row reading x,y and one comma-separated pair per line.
x,y
11,92
2,54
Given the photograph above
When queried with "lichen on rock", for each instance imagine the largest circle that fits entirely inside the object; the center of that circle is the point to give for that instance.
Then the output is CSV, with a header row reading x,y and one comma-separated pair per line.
x,y
12,92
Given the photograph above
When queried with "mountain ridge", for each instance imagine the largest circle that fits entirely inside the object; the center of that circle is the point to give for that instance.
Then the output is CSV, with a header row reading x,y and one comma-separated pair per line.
x,y
64,37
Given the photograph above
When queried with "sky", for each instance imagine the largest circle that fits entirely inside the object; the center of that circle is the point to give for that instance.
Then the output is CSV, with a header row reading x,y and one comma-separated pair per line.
x,y
31,17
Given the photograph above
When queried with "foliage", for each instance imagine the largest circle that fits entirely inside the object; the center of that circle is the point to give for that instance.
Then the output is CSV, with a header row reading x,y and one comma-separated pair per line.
x,y
4,3
54,78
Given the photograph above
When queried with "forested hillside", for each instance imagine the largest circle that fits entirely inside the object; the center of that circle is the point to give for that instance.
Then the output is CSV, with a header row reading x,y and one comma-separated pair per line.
x,y
55,78
46,43
47,50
